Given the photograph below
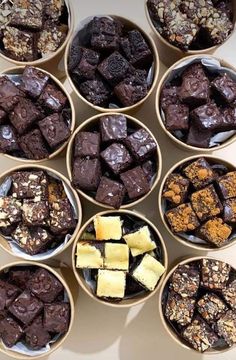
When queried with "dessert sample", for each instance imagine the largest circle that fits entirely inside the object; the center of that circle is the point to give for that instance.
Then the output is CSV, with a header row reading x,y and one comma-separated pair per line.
x,y
192,25
111,63
36,213
197,303
114,160
28,318
35,115
32,29
197,104
119,256
199,202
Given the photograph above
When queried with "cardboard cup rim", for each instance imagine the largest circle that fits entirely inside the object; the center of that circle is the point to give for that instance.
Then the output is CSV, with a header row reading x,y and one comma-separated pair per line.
x,y
167,328
156,70
4,243
69,158
177,142
55,153
59,276
189,244
131,302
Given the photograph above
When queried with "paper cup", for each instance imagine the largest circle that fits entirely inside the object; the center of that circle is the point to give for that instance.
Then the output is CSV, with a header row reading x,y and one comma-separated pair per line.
x,y
88,126
58,151
194,246
180,144
165,323
125,303
169,53
5,244
132,25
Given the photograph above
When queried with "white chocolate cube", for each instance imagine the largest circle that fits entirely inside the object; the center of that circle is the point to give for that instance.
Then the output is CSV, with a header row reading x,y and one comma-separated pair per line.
x,y
111,284
108,227
88,256
140,241
116,256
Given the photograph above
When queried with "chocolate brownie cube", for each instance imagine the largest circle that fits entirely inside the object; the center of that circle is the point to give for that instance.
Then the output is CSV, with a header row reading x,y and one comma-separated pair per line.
x,y
226,327
198,137
95,91
230,210
105,33
20,45
86,67
227,185
208,117
113,127
35,213
11,331
218,26
215,231
54,130
110,193
51,37
194,91
53,8
225,86
117,158
175,189
179,309
136,49
196,10
10,211
169,96
200,173
149,168
206,203
211,307
27,14
36,337
33,145
29,184
228,119
52,98
56,317
8,139
114,68
8,293
19,276
24,114
182,218
141,144
86,173
45,285
177,117
185,280
87,144
135,182
10,94
214,274
131,90
33,81
62,219
194,70
229,294
3,116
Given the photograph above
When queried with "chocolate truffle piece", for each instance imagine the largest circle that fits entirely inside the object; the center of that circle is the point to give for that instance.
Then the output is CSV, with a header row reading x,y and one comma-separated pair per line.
x,y
8,139
8,293
54,130
179,309
33,81
116,256
141,144
175,189
52,98
206,203
197,137
194,91
10,211
86,67
229,294
114,68
215,231
44,285
35,213
56,191
117,158
135,182
226,327
56,317
131,90
24,114
182,218
51,38
95,91
20,45
62,217
19,276
225,86
113,127
26,307
211,307
105,33
110,192
89,255
86,173
111,284
227,185
27,14
36,336
230,210
218,26
33,145
11,331
208,117
108,227
169,96
214,274
87,144
177,117
185,280
140,241
200,173
10,94
29,184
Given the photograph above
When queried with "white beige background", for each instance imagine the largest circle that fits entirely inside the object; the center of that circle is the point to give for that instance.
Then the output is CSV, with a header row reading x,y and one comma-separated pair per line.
x,y
104,333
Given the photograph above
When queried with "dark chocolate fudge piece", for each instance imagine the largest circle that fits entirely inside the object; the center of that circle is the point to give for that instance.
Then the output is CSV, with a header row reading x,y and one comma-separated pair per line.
x,y
33,145
169,96
51,37
214,274
24,114
86,173
136,49
19,276
195,70
35,213
36,336
228,119
194,91
33,81
11,331
56,317
131,90
215,231
54,130
8,139
114,68
175,189
61,217
206,203
218,26
117,158
227,185
230,210
229,294
27,14
29,184
52,98
211,307
95,91
10,94
8,293
135,182
45,285
141,144
177,117
225,86
10,211
113,127
185,280
110,192
200,173
182,218
87,144
20,45
105,33
179,309
226,327
208,117
86,67
3,116
197,137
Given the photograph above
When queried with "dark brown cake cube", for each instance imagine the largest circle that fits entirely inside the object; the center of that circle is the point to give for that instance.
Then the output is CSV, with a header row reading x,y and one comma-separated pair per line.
x,y
182,218
227,185
196,10
114,68
36,336
226,327
179,309
225,86
131,90
208,117
95,91
117,158
195,70
52,98
113,127
169,96
27,14
26,307
8,139
61,217
19,276
215,231
8,293
35,213
29,184
214,274
194,91
197,137
228,119
200,173
218,26
110,193
87,65
177,117
175,189
56,317
105,33
135,182
141,144
33,81
24,114
10,211
54,130
11,331
230,210
86,173
185,280
51,37
53,8
229,294
10,94
33,145
211,307
87,144
206,203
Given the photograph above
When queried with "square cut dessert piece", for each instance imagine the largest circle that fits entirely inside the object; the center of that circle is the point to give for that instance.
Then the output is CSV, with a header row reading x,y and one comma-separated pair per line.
x,y
89,255
179,309
195,70
87,144
182,218
11,331
132,89
206,203
226,327
35,213
218,26
19,277
185,280
116,256
33,145
135,182
86,67
215,231
105,33
95,91
56,317
29,184
36,336
54,130
110,192
62,219
87,173
114,68
8,293
194,91
117,158
197,11
20,45
200,173
198,137
10,94
8,139
169,96
175,189
211,307
140,241
24,114
51,37
113,127
56,191
10,211
33,81
141,144
214,274
27,14
52,98
225,86
177,117
227,185
209,117
136,49
111,284
108,227
229,294
148,272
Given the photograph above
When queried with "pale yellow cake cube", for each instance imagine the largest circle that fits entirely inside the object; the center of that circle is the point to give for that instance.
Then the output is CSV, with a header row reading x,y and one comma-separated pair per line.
x,y
140,241
111,284
108,227
116,256
88,256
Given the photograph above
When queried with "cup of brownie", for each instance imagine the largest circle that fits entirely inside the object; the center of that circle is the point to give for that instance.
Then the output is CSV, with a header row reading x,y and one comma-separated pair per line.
x,y
197,202
40,213
37,115
113,160
35,32
190,27
197,305
111,63
37,309
195,103
119,258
